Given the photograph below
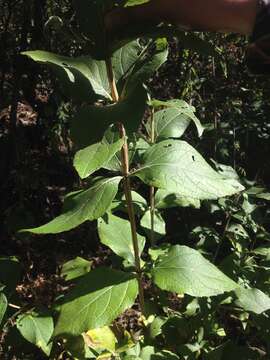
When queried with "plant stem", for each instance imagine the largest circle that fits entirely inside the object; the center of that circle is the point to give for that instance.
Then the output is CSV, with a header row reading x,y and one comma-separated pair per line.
x,y
131,214
152,189
111,78
127,189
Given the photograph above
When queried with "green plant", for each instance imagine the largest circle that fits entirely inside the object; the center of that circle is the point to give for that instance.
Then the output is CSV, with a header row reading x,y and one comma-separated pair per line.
x,y
110,99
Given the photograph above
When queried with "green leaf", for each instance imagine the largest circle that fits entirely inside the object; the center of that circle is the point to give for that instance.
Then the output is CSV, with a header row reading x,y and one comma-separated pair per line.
x,y
92,158
263,251
145,68
157,251
102,339
185,271
125,59
112,136
125,341
77,347
82,205
81,78
226,170
177,167
97,299
141,146
75,268
37,329
139,203
85,79
252,300
165,199
3,306
90,122
264,196
155,328
136,2
115,233
147,353
169,123
238,230
159,224
173,121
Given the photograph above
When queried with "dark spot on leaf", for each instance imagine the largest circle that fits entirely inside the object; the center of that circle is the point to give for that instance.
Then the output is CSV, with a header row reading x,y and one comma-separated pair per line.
x,y
65,64
166,146
193,158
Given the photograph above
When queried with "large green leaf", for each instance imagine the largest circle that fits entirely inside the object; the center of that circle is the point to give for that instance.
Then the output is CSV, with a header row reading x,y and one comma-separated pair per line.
x,y
81,78
177,167
185,271
92,158
37,329
97,299
90,122
174,119
252,300
166,199
82,205
115,233
3,306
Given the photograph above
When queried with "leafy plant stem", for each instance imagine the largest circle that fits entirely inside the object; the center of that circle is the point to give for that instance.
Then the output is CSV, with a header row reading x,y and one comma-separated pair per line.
x,y
127,188
131,214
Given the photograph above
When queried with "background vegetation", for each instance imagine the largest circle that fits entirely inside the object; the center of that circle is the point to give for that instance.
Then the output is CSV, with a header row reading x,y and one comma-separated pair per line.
x,y
36,171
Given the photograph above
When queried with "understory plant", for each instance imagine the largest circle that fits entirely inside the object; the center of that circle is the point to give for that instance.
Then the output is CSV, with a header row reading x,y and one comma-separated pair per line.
x,y
133,165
